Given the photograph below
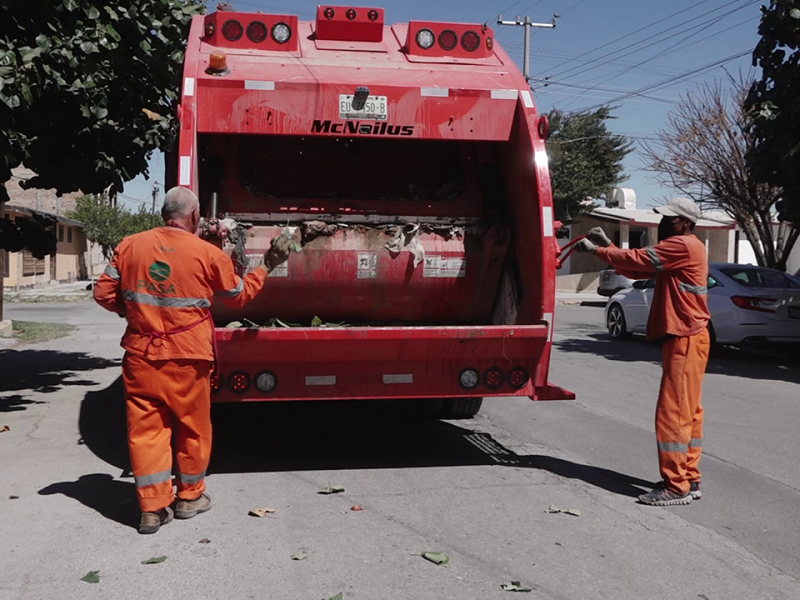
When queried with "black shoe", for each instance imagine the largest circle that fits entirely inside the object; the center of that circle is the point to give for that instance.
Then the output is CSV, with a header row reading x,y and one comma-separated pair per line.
x,y
661,496
151,522
694,491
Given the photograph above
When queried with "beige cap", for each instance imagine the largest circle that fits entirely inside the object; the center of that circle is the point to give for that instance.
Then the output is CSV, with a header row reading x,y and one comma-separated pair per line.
x,y
680,207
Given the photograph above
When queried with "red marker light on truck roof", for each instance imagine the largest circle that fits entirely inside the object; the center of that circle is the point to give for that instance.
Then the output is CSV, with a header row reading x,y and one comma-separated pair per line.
x,y
257,32
239,382
351,14
448,39
470,41
329,13
232,30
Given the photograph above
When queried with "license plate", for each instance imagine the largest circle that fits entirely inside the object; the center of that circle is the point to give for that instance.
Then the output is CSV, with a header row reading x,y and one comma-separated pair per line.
x,y
794,312
376,108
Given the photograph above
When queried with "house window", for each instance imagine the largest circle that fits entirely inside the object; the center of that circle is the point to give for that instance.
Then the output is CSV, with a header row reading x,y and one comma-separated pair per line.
x,y
69,235
31,265
60,233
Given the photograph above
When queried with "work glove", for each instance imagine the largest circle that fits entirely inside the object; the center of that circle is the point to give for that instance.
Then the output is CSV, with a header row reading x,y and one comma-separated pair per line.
x,y
278,252
597,236
585,246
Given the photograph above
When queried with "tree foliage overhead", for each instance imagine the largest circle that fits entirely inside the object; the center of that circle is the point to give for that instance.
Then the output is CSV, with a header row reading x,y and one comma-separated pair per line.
x,y
702,153
774,106
88,88
585,160
107,224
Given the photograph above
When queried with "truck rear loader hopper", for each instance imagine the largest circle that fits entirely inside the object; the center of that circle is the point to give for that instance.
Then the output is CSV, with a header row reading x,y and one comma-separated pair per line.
x,y
408,163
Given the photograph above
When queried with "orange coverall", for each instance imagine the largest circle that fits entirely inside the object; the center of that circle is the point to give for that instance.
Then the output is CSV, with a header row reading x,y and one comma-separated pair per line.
x,y
680,314
163,281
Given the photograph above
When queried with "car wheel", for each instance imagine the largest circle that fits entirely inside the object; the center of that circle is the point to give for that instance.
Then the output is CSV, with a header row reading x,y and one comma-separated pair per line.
x,y
615,321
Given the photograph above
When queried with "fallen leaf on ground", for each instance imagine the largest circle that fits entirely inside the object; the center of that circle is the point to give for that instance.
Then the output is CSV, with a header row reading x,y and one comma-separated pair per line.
x,y
205,541
332,489
91,577
514,586
261,512
5,428
299,555
437,558
338,596
155,560
234,325
567,511
357,507
153,116
13,497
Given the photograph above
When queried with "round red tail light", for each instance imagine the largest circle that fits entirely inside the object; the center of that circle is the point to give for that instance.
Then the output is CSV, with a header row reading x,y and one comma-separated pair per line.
x,y
329,13
518,378
216,384
351,14
239,382
373,15
257,32
470,41
493,378
232,30
448,39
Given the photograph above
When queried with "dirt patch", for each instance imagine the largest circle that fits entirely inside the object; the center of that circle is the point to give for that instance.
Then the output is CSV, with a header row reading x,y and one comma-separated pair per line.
x,y
29,332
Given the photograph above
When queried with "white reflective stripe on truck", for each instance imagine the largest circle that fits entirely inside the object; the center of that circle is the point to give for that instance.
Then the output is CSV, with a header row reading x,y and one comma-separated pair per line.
x,y
188,86
266,86
434,92
321,380
186,171
505,94
526,98
547,221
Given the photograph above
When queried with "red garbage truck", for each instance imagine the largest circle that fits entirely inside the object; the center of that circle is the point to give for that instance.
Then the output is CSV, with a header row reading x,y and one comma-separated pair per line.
x,y
407,163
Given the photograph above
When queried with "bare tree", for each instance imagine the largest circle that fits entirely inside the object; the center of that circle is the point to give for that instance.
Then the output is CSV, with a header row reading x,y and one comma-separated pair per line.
x,y
702,153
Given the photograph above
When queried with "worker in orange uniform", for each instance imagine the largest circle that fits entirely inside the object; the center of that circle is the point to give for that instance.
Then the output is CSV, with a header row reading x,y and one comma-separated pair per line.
x,y
678,315
163,281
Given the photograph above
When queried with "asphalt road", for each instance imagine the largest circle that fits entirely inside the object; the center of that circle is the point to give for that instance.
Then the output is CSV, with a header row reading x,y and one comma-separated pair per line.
x,y
478,490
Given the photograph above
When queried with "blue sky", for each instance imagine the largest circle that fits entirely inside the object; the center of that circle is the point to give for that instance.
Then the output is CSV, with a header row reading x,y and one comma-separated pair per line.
x,y
600,52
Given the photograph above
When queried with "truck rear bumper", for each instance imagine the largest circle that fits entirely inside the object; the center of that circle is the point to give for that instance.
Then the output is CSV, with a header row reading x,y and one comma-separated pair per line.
x,y
380,362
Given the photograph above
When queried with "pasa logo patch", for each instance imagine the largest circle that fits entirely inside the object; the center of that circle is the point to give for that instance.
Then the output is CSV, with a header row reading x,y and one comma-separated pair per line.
x,y
160,271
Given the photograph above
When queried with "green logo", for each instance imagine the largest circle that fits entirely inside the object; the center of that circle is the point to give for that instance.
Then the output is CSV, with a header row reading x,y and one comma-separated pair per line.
x,y
160,271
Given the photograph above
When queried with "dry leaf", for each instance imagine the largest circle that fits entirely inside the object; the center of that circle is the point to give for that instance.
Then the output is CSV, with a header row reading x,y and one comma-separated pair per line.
x,y
5,428
514,586
261,512
155,560
13,497
299,555
205,541
153,116
437,558
332,489
357,507
567,511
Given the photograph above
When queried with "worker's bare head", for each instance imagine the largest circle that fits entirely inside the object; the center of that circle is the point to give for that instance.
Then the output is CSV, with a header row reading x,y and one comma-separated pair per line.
x,y
182,207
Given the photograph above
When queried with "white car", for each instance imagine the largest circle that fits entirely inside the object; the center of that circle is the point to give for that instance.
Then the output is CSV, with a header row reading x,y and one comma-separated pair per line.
x,y
748,304
612,282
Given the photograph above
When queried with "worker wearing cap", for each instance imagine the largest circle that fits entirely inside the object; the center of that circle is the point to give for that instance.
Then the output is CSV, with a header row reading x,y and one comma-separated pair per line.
x,y
163,281
678,315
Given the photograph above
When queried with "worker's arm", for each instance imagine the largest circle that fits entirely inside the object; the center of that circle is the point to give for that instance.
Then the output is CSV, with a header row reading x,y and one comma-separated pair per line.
x,y
667,255
235,291
107,288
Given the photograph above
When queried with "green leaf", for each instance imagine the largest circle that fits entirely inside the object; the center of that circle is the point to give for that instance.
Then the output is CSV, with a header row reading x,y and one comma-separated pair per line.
x,y
145,46
300,555
155,560
42,41
8,59
5,72
437,558
92,13
795,13
29,54
112,33
70,5
338,596
89,48
91,577
99,112
112,13
316,322
10,101
332,489
25,90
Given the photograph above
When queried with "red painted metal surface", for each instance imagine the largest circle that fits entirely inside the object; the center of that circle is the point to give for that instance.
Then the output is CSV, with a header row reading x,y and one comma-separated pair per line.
x,y
349,23
255,32
279,108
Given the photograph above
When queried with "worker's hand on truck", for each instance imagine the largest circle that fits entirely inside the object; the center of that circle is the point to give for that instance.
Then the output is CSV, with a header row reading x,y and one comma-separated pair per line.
x,y
597,236
585,246
278,252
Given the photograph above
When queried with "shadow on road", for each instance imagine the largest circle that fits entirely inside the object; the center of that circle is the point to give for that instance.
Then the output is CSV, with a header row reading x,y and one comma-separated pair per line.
x,y
114,499
301,436
44,372
751,363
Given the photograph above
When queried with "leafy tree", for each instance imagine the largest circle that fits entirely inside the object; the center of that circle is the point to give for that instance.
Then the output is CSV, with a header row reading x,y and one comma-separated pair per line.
x,y
701,152
585,160
88,89
773,105
107,224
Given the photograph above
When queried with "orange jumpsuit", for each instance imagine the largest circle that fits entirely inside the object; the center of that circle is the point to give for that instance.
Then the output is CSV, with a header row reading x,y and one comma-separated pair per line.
x,y
163,282
680,314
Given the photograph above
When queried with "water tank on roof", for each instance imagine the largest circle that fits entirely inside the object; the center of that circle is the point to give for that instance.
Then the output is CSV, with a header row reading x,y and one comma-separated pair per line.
x,y
621,197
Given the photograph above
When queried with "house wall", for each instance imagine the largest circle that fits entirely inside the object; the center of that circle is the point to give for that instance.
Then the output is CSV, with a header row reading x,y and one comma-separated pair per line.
x,y
69,255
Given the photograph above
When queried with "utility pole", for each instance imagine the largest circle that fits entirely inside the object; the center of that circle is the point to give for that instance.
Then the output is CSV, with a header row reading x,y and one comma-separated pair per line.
x,y
527,24
155,196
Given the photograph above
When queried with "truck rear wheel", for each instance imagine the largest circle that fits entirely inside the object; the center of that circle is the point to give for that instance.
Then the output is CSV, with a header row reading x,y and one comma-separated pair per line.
x,y
460,408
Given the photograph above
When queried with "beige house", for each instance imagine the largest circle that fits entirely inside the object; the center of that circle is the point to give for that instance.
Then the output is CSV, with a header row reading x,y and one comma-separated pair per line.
x,y
75,258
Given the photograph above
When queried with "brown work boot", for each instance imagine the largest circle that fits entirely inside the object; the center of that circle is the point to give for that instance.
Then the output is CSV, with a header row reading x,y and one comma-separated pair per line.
x,y
186,509
152,521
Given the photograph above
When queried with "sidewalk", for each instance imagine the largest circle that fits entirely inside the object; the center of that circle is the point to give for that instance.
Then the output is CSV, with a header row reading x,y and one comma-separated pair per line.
x,y
57,292
583,298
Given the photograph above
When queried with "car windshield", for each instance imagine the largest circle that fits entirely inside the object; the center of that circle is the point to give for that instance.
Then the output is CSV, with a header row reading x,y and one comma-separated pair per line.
x,y
754,277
